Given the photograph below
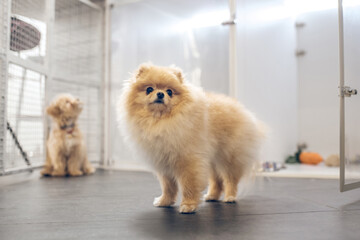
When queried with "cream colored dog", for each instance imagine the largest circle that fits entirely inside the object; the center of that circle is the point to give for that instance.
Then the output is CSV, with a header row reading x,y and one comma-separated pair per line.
x,y
66,151
189,136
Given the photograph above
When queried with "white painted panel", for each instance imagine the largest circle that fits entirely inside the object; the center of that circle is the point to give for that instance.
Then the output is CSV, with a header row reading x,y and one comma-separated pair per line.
x,y
267,72
318,74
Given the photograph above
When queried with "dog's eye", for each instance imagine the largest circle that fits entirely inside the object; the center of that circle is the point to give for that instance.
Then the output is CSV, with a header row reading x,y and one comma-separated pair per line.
x,y
169,92
149,90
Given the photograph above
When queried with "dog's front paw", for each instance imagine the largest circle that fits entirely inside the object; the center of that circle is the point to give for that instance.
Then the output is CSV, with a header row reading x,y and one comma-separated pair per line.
x,y
187,208
58,173
230,199
210,198
46,172
76,173
163,202
89,170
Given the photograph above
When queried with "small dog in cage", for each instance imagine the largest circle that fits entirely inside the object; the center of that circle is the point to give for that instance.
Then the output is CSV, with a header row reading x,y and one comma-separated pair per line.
x,y
66,151
189,136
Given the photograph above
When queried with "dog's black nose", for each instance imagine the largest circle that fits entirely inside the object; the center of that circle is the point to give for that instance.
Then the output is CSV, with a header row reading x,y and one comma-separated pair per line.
x,y
160,95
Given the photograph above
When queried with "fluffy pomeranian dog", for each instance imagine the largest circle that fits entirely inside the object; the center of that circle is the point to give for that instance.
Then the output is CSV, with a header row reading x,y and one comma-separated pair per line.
x,y
190,137
66,151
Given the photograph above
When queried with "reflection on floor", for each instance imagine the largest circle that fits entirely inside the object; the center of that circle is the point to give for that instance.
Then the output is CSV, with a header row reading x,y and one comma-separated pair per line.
x,y
306,171
118,205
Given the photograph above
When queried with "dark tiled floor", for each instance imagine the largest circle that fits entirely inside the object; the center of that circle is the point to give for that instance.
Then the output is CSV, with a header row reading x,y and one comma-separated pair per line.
x,y
118,205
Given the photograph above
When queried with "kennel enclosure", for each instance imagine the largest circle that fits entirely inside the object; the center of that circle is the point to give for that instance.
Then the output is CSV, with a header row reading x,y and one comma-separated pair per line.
x,y
49,47
53,46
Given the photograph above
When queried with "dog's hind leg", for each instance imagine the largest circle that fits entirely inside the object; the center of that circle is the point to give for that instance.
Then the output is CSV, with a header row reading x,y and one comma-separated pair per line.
x,y
230,188
233,171
215,186
87,167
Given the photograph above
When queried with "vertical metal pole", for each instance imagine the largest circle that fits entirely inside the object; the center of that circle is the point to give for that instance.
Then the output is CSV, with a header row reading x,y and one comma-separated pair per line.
x,y
21,99
5,14
106,87
232,51
342,99
50,19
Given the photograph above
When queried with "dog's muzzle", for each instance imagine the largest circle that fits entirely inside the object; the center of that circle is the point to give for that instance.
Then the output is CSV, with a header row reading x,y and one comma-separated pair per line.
x,y
160,97
159,101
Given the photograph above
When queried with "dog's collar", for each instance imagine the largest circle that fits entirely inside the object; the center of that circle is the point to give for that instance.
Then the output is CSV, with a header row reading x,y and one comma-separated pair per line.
x,y
65,127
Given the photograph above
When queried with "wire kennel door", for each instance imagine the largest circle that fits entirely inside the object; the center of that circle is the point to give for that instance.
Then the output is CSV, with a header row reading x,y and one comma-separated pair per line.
x,y
48,47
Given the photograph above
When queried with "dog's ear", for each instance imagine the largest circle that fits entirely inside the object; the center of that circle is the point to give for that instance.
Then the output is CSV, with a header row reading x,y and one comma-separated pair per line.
x,y
53,110
178,73
143,68
78,105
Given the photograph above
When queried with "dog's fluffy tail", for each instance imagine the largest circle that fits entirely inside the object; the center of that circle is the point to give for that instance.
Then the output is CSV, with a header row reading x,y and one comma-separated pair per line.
x,y
251,168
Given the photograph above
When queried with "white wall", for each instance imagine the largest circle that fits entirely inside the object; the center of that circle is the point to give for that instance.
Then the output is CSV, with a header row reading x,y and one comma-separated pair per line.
x,y
303,107
318,74
267,72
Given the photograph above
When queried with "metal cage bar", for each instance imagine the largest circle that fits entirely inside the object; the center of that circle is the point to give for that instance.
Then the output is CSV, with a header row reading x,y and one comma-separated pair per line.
x,y
5,9
50,18
233,88
106,158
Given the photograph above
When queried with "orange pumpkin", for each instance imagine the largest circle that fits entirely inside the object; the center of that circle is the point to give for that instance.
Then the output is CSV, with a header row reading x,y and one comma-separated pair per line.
x,y
310,158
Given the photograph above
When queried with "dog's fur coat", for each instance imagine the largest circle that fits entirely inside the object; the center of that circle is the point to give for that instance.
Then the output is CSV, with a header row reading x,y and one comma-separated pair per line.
x,y
189,136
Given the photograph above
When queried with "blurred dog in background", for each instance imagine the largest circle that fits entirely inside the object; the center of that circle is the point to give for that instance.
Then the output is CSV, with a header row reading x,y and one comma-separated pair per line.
x,y
66,150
